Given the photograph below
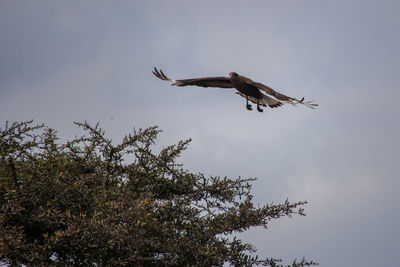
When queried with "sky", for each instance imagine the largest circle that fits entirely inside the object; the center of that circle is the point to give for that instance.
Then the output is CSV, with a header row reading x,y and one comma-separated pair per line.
x,y
66,61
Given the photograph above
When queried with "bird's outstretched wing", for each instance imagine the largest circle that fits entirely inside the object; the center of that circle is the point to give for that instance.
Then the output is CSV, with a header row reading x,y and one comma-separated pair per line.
x,y
221,82
281,97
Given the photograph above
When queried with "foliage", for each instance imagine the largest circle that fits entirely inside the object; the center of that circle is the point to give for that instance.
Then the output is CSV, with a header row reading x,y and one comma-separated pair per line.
x,y
89,202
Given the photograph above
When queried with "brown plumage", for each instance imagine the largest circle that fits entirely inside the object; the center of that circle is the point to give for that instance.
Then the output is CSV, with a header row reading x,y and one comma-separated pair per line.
x,y
247,88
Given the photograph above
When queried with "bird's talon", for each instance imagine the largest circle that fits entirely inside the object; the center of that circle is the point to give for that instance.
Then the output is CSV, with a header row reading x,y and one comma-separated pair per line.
x,y
249,107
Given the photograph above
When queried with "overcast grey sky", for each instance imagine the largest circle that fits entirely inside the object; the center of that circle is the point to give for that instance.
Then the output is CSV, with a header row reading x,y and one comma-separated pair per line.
x,y
65,61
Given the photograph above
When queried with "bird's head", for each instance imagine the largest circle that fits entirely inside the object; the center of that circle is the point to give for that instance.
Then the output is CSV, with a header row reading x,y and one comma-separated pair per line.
x,y
233,74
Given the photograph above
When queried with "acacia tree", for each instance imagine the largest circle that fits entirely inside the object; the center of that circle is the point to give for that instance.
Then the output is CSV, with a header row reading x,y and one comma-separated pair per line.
x,y
90,202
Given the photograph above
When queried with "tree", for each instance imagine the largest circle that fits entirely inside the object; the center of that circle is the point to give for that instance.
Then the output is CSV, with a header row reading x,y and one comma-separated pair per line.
x,y
90,202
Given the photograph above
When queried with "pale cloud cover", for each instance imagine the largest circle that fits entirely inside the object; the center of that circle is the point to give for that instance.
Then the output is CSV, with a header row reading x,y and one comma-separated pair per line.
x,y
91,60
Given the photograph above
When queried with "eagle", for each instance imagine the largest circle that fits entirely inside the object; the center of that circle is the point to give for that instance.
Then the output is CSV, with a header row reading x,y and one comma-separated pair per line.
x,y
247,88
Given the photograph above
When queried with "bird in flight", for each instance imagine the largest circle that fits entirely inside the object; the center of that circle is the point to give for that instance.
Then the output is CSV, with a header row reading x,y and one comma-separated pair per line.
x,y
253,91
